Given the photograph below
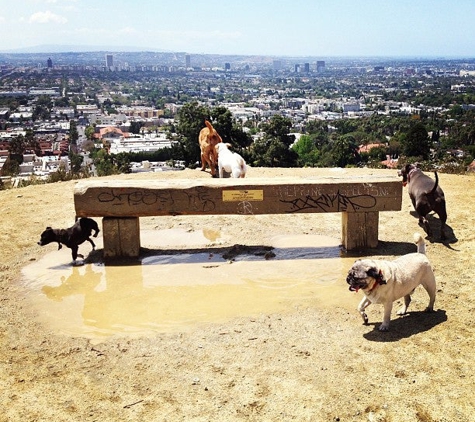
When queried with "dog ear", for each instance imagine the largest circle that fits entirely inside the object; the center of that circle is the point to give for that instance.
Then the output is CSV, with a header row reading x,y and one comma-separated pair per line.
x,y
373,272
49,228
377,275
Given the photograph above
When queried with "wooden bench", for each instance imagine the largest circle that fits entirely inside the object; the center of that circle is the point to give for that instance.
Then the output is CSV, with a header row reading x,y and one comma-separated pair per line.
x,y
122,202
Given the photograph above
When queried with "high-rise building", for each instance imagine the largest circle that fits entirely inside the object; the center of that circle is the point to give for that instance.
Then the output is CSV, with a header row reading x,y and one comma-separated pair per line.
x,y
49,63
187,61
227,67
109,60
306,67
320,66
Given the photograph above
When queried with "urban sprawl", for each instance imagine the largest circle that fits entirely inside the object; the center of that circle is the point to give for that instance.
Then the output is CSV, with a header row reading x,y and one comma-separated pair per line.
x,y
57,107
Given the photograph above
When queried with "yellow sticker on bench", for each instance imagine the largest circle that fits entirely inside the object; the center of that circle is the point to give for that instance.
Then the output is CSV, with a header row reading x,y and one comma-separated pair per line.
x,y
242,195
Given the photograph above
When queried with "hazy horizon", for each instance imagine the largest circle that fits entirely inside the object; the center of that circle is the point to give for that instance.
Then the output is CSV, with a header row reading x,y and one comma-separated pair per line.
x,y
65,49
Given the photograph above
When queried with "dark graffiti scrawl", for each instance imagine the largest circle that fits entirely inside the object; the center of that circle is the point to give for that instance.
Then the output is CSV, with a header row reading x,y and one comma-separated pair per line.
x,y
199,199
332,202
135,198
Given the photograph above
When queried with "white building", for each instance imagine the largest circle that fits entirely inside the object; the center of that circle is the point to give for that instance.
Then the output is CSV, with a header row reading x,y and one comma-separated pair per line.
x,y
147,143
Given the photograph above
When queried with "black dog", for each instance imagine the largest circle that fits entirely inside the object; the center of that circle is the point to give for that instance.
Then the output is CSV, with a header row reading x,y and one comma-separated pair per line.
x,y
72,237
426,196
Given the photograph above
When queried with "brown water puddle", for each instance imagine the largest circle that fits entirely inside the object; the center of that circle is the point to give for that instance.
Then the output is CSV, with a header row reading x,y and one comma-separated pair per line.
x,y
178,291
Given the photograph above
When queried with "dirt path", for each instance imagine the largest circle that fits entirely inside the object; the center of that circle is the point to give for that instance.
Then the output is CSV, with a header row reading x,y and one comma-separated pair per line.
x,y
305,364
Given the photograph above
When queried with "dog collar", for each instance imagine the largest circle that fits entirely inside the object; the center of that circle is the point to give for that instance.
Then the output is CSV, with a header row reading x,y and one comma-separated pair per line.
x,y
379,281
409,175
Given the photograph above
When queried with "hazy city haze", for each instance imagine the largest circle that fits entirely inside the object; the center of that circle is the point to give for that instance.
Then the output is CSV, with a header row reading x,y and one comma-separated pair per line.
x,y
421,28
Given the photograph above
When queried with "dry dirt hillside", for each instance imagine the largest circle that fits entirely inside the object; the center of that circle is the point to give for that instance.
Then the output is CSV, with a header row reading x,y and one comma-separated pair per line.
x,y
317,363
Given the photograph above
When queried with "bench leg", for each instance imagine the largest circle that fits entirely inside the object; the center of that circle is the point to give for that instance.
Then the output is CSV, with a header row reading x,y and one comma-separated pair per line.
x,y
359,230
121,237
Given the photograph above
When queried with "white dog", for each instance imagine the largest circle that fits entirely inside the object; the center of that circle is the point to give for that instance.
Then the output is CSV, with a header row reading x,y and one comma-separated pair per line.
x,y
229,161
386,281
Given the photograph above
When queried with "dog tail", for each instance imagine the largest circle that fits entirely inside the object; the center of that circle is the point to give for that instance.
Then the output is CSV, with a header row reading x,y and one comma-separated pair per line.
x,y
421,244
436,183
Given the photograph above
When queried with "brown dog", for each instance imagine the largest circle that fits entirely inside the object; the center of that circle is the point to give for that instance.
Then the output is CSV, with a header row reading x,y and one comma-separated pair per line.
x,y
208,139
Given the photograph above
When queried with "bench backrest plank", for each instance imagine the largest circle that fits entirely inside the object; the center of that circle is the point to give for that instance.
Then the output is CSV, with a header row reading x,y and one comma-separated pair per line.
x,y
140,198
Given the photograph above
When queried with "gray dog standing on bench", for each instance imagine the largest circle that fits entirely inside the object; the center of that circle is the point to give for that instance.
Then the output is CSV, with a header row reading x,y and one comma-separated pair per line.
x,y
426,196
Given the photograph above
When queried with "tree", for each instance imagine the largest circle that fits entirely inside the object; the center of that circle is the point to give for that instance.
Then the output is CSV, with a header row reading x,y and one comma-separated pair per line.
x,y
76,162
89,132
228,128
222,120
103,162
122,162
308,154
191,119
136,126
273,150
279,127
73,132
42,110
416,142
345,151
17,145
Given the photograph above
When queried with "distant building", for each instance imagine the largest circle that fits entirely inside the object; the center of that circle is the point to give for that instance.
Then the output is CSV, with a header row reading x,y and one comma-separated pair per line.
x,y
320,66
87,109
348,107
109,60
306,67
227,67
187,61
53,91
277,65
49,63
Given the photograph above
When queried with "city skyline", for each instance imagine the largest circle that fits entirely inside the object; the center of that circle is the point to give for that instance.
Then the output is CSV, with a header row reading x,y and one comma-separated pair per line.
x,y
368,28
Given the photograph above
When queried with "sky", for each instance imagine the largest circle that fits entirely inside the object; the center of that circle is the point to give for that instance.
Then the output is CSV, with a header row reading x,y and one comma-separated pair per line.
x,y
295,28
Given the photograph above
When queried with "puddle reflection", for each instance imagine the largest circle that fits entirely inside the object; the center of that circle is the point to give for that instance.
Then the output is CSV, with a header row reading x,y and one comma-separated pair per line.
x,y
165,293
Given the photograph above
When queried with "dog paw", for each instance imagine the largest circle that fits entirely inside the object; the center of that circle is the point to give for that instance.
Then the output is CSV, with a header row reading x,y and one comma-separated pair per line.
x,y
401,311
429,309
384,327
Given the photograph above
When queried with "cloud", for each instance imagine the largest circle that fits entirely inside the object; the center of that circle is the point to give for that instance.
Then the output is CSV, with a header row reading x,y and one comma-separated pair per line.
x,y
46,17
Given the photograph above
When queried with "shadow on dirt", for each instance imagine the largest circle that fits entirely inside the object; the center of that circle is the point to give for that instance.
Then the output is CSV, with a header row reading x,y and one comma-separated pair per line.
x,y
389,249
406,326
435,226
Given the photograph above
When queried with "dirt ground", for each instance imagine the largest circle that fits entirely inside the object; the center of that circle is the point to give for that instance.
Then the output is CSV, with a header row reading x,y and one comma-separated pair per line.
x,y
318,363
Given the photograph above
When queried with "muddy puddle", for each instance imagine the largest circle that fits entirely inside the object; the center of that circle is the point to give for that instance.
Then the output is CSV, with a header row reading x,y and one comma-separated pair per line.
x,y
166,292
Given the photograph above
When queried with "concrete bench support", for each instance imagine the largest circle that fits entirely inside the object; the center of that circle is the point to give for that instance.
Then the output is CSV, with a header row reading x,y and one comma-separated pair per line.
x,y
122,202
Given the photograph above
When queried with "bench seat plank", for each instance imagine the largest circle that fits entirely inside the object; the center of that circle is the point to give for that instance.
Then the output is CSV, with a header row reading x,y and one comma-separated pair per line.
x,y
140,198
